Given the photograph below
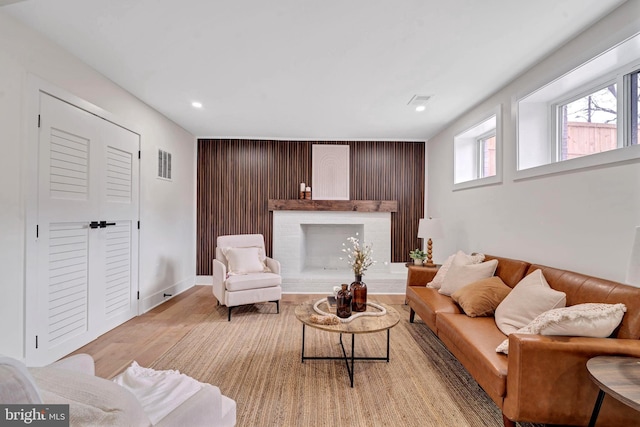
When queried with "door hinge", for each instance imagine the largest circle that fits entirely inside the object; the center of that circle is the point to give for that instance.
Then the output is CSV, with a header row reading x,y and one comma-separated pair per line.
x,y
38,120
37,231
139,155
138,225
36,341
138,294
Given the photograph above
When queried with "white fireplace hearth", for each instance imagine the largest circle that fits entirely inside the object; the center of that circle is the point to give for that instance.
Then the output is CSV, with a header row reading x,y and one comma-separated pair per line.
x,y
308,245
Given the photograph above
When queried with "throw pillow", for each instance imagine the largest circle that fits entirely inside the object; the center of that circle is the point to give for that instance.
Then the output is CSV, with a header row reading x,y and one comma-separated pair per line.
x,y
462,275
244,260
436,283
93,401
529,298
481,298
594,320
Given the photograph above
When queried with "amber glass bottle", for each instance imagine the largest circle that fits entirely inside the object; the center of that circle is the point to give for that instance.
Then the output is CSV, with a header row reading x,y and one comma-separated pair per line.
x,y
343,302
359,295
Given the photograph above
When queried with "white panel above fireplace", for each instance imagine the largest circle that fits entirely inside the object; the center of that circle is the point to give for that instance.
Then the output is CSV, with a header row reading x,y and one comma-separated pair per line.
x,y
330,172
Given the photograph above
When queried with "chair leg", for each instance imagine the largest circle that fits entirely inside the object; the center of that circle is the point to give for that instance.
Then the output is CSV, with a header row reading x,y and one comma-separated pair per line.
x,y
229,318
277,305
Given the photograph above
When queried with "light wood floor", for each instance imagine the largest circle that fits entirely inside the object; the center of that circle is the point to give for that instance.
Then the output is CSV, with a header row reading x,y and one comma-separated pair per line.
x,y
147,337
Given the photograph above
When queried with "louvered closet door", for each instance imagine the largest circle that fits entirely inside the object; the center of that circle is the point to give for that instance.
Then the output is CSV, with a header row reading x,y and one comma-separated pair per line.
x,y
118,205
87,276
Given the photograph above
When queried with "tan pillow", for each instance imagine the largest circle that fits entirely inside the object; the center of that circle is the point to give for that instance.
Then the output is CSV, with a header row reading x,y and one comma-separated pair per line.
x,y
462,275
531,297
244,260
482,297
460,258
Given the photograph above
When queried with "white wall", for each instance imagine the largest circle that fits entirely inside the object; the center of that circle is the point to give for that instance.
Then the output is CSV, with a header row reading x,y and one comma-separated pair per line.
x,y
583,220
167,209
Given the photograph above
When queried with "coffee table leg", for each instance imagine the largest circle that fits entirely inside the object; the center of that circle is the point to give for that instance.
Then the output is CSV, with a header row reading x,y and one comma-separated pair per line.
x,y
388,336
353,359
303,325
596,409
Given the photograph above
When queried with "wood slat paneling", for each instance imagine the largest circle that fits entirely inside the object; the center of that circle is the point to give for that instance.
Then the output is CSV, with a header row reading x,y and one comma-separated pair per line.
x,y
236,179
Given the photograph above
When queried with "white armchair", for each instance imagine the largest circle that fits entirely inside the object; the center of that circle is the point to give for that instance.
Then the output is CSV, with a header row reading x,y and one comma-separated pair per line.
x,y
243,274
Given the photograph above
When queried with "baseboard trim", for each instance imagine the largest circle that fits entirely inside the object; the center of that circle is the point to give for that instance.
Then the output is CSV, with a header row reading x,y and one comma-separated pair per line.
x,y
154,300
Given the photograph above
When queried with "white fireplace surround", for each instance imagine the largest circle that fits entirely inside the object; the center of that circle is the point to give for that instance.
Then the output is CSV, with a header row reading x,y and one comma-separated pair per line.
x,y
308,246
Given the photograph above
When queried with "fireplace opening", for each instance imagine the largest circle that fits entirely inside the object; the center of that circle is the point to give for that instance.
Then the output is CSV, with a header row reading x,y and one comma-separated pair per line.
x,y
322,246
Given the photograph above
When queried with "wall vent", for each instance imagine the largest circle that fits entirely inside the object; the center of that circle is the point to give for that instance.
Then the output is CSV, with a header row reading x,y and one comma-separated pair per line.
x,y
164,164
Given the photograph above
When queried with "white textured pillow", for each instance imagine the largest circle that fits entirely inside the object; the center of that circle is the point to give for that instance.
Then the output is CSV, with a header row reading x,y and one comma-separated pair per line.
x,y
462,275
594,320
529,298
244,260
93,401
462,259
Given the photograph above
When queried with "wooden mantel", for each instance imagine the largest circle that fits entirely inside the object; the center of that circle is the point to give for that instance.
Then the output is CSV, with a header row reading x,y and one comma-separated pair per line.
x,y
333,205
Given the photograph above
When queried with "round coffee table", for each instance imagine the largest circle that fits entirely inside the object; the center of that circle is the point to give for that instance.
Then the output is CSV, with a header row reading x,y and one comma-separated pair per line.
x,y
359,325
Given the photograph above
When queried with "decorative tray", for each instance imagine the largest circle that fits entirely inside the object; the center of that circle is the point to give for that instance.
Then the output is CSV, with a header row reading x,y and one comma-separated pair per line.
x,y
379,311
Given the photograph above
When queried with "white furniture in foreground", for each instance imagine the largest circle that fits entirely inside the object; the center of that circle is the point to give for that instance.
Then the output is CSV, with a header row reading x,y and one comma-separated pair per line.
x,y
95,401
243,274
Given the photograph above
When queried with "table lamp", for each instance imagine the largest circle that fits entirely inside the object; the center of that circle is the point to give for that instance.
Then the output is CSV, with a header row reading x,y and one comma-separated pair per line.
x,y
429,228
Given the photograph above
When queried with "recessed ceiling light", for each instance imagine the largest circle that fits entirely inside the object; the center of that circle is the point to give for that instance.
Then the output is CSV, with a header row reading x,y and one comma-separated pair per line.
x,y
196,104
419,102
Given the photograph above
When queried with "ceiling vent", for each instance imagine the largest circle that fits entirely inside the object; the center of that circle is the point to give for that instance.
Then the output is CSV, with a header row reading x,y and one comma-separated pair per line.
x,y
419,100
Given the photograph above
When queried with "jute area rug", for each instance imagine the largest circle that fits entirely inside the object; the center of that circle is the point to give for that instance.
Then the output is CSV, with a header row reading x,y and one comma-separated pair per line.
x,y
256,360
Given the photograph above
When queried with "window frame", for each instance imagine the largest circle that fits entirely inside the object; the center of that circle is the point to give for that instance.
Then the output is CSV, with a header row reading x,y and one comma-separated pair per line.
x,y
533,123
556,113
478,121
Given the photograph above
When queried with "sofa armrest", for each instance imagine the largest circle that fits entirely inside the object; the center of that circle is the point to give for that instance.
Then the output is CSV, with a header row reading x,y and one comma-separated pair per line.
x,y
420,276
273,265
77,363
548,380
219,277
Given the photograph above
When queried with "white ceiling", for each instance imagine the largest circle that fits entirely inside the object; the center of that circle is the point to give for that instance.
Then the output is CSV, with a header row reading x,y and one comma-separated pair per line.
x,y
302,69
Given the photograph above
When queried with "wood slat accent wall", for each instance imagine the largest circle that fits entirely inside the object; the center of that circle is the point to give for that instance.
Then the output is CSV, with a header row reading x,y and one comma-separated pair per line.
x,y
236,179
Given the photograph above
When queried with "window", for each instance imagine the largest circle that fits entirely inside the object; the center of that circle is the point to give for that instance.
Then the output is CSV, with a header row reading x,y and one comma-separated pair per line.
x,y
588,125
476,154
588,117
486,155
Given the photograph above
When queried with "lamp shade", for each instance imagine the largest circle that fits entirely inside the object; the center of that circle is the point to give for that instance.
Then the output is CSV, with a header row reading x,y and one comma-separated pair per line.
x,y
430,228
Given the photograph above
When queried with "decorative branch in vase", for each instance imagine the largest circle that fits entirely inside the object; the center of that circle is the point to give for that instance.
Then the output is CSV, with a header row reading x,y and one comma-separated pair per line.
x,y
359,257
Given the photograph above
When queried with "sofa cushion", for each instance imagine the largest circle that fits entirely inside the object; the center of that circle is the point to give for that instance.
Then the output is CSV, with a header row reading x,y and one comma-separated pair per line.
x,y
244,282
581,288
529,298
482,297
473,341
460,258
583,320
462,275
427,302
92,400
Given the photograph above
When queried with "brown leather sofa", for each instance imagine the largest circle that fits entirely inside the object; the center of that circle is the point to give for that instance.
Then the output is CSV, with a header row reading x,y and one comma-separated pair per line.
x,y
544,378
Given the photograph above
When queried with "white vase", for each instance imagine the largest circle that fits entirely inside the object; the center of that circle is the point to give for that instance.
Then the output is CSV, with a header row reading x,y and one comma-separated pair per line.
x,y
417,261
